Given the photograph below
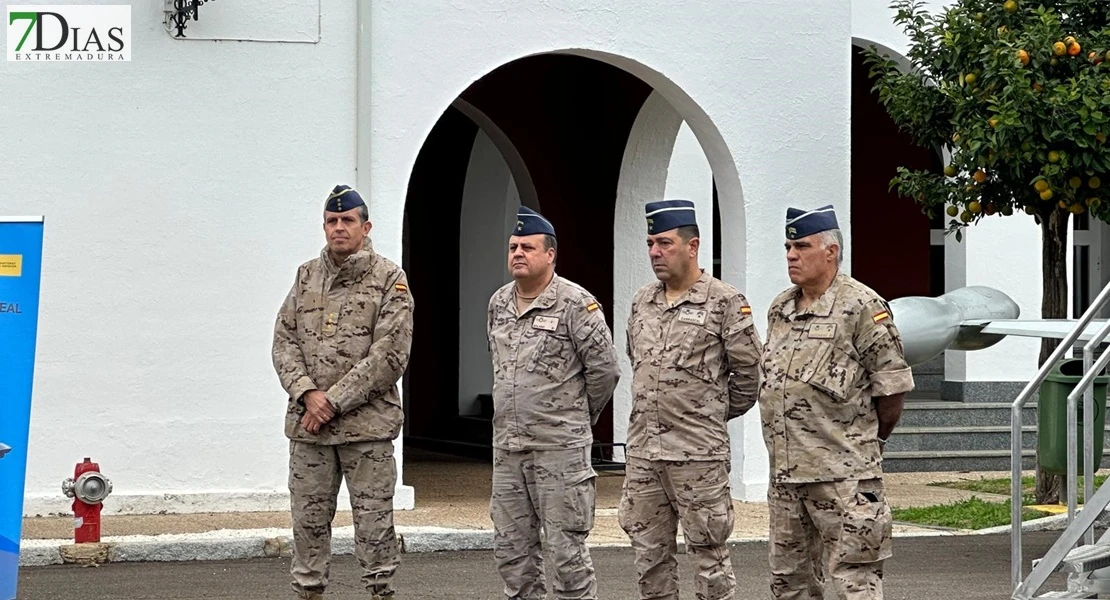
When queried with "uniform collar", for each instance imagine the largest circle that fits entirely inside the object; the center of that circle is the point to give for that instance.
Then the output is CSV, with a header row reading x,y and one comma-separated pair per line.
x,y
822,307
356,263
698,293
545,300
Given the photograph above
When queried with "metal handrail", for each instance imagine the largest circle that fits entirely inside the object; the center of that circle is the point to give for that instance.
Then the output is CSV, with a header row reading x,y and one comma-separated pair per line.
x,y
1086,387
1015,432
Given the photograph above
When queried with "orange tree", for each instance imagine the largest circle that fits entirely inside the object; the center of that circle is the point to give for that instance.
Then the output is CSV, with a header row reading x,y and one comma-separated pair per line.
x,y
1018,93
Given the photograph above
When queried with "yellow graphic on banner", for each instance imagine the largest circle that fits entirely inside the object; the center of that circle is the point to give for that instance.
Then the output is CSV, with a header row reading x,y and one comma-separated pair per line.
x,y
11,265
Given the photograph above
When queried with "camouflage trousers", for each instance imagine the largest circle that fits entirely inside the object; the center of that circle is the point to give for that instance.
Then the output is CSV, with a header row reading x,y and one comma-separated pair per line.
x,y
555,490
656,496
838,530
315,472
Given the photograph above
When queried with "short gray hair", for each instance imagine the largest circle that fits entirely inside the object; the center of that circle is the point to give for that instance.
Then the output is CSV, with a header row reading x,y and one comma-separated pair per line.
x,y
830,237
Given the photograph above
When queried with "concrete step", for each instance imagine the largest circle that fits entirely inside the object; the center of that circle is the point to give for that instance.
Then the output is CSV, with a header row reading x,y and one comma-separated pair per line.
x,y
953,460
944,413
979,437
961,460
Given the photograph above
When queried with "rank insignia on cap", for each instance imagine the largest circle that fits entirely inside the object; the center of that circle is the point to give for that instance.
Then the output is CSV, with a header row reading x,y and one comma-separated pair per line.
x,y
591,307
666,215
802,223
880,316
342,199
745,310
530,222
400,287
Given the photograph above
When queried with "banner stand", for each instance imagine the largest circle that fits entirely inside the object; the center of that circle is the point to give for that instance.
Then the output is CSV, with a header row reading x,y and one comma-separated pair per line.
x,y
20,276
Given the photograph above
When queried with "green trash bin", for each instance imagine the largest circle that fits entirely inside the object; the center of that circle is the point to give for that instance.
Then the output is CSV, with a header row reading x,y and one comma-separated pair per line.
x,y
1052,416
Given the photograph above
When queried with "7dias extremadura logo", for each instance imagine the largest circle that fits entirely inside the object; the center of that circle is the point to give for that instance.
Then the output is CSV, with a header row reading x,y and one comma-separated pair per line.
x,y
69,33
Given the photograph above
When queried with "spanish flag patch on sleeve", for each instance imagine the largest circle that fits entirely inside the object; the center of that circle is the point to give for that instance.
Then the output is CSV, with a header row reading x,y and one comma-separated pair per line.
x,y
400,287
745,310
880,316
591,307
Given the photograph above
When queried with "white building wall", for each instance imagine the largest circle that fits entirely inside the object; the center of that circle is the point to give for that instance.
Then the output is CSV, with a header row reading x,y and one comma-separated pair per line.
x,y
183,188
181,191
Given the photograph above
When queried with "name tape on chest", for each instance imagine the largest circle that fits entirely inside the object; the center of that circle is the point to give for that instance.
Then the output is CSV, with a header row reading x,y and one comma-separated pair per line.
x,y
822,331
697,316
545,323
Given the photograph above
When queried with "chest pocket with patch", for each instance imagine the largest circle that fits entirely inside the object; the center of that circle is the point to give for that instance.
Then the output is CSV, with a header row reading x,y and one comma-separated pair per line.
x,y
553,353
831,370
700,354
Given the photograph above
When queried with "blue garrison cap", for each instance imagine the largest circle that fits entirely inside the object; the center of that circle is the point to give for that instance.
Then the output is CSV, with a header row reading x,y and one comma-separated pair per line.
x,y
530,222
802,223
342,199
669,214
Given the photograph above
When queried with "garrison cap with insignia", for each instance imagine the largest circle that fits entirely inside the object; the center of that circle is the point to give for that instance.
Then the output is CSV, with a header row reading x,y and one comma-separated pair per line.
x,y
342,199
666,215
530,222
802,223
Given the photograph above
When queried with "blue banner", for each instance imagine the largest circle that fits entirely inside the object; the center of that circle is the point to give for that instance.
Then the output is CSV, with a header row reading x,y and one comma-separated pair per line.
x,y
20,273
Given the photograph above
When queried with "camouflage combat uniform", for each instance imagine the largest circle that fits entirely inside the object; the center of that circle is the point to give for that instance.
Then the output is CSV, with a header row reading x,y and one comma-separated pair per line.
x,y
554,368
821,368
694,368
345,330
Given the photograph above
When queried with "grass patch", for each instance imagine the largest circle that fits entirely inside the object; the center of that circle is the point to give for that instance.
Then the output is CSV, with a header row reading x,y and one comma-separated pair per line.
x,y
973,513
1001,486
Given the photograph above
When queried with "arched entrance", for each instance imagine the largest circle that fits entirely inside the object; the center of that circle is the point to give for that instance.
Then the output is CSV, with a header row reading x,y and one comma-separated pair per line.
x,y
577,123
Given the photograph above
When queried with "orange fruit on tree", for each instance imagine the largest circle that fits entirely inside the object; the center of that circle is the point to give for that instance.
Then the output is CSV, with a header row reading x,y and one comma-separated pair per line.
x,y
1093,202
1070,40
952,210
980,176
1074,49
1010,6
1077,209
970,78
1076,182
1101,137
993,123
974,207
1053,157
1023,56
1046,195
950,171
1041,185
1094,182
1059,49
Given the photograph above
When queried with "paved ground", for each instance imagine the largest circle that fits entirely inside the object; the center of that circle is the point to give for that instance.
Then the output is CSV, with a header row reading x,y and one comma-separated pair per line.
x,y
945,568
454,493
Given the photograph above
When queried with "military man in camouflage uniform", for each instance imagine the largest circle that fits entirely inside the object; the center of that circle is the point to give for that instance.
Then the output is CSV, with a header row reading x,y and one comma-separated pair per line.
x,y
554,369
341,342
834,378
695,354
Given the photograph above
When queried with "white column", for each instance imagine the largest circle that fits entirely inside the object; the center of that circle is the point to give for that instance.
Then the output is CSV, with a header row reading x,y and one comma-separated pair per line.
x,y
643,179
489,193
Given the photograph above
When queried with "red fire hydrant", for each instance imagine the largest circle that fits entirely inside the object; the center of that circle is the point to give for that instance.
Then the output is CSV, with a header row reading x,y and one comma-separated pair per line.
x,y
88,487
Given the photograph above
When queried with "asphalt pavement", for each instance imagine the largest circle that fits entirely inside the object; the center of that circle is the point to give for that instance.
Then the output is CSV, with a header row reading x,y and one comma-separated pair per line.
x,y
972,567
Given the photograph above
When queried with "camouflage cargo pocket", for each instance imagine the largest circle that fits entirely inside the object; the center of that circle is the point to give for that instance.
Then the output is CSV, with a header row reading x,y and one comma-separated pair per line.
x,y
579,499
833,371
866,527
700,354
